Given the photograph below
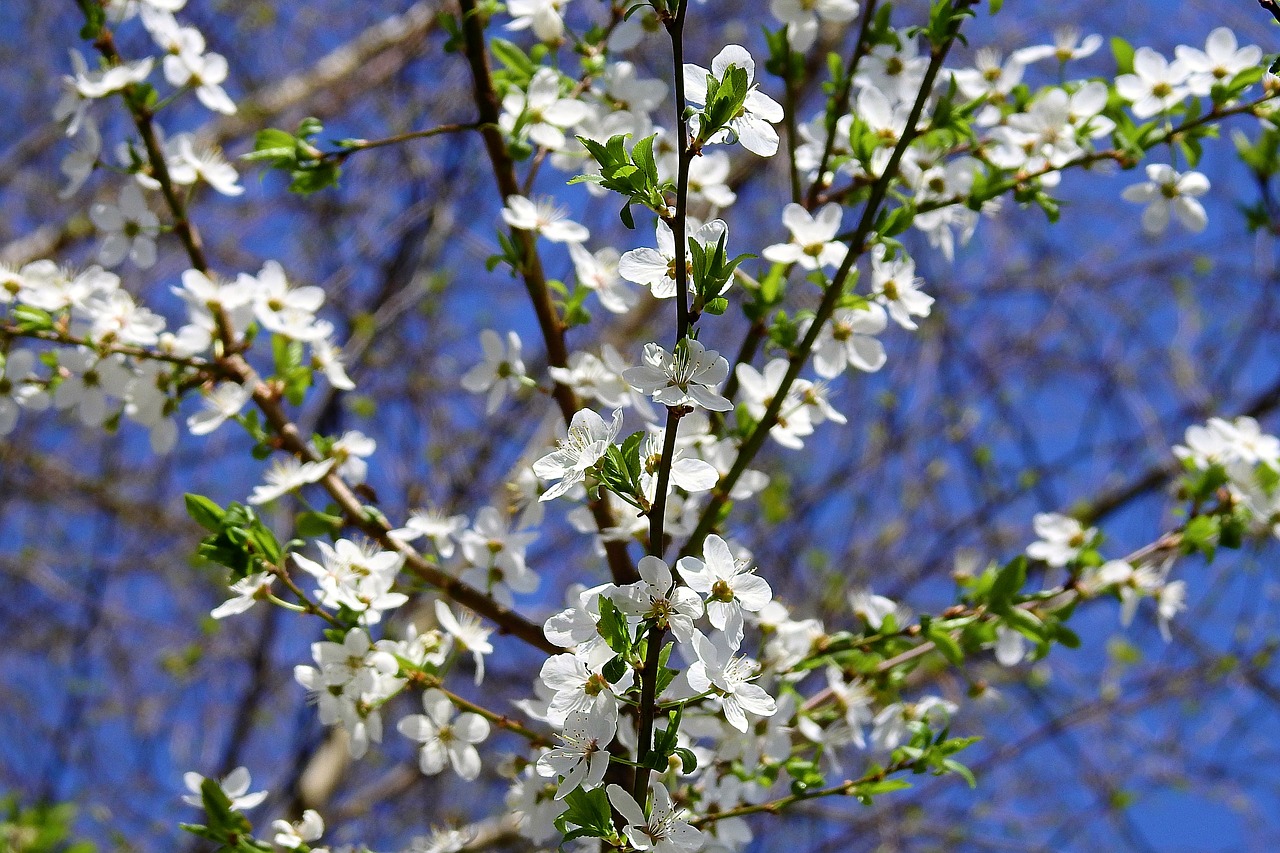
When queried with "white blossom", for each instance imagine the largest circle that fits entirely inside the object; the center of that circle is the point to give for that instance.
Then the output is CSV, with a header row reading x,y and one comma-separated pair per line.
x,y
543,217
235,785
656,268
222,402
664,830
1061,539
690,376
813,244
729,675
128,229
848,338
1167,191
286,474
501,371
583,757
754,126
444,738
586,443
248,591
1156,84
729,587
541,111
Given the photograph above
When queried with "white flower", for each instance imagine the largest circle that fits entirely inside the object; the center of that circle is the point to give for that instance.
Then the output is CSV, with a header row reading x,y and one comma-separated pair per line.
x,y
1167,191
496,554
584,757
708,179
441,529
350,451
895,286
357,577
656,596
541,111
43,284
801,17
895,723
578,688
293,836
100,83
1156,84
812,238
848,338
286,474
223,402
728,586
543,16
600,378
128,229
248,590
1171,599
206,72
663,831
588,439
599,272
1221,59
351,679
729,676
116,318
576,626
190,164
543,217
656,268
898,72
688,473
235,785
1011,646
500,372
689,377
445,739
19,388
285,310
989,79
469,632
754,126
1061,539
1066,46
77,166
874,609
758,390
327,358
89,382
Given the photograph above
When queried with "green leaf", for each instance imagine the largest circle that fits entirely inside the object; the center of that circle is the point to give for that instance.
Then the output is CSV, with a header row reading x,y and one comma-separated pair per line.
x,y
313,525
589,811
273,144
946,644
1123,52
1008,582
204,512
613,627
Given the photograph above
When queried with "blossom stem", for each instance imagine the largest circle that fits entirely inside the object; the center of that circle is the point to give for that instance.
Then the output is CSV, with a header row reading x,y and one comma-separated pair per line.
x,y
658,515
774,806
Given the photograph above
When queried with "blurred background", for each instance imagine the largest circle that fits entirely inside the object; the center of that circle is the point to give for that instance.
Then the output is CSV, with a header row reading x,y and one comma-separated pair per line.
x,y
1059,365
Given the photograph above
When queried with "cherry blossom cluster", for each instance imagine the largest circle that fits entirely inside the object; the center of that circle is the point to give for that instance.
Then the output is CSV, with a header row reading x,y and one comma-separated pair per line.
x,y
679,695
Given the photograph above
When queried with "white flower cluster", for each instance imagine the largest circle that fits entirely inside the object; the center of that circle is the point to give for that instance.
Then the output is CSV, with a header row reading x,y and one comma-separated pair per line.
x,y
1250,459
116,357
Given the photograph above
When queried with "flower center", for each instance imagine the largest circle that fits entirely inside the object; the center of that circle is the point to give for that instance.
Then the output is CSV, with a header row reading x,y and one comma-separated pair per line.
x,y
721,591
